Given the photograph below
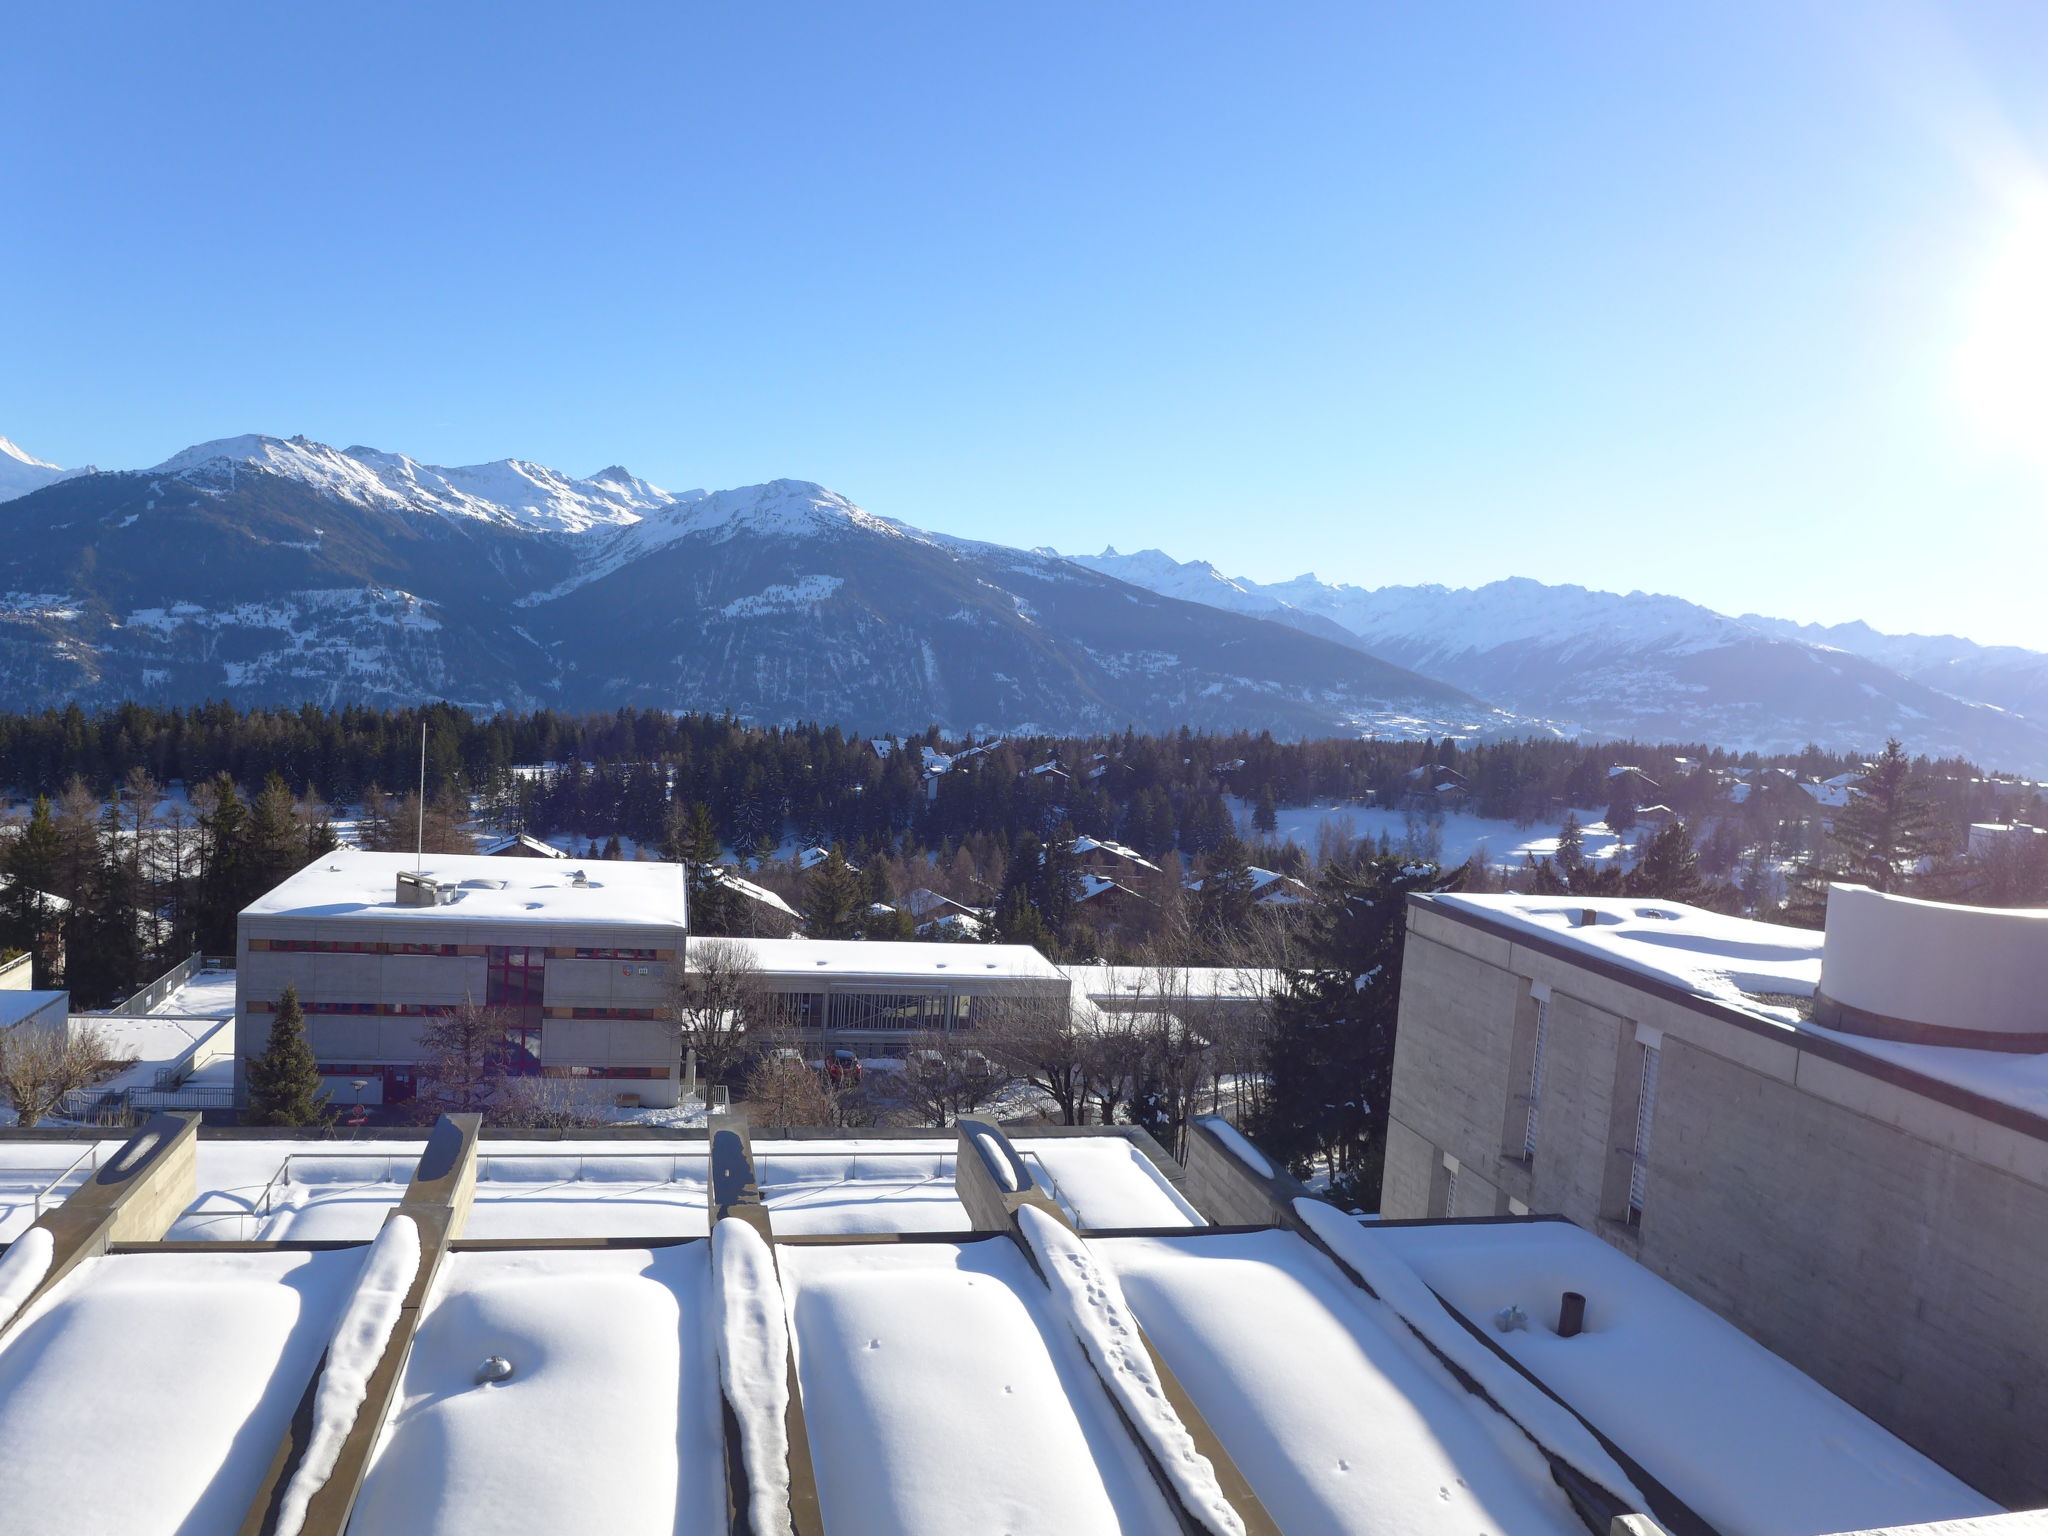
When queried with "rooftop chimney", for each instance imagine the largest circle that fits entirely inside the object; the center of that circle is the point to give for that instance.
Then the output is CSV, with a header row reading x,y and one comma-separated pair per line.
x,y
418,890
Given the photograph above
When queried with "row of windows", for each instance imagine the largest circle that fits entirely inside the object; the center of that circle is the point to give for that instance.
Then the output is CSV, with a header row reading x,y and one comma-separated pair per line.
x,y
377,1069
436,1010
341,947
502,954
896,1011
387,1010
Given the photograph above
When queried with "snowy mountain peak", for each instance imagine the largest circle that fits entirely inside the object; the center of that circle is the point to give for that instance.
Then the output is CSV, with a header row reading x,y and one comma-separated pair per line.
x,y
511,492
10,449
22,472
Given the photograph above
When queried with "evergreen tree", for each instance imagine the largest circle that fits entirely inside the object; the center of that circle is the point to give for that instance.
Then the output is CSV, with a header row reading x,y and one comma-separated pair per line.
x,y
1227,891
1889,824
1621,810
1330,1058
1571,842
832,904
1265,814
1052,888
27,915
1669,869
284,1082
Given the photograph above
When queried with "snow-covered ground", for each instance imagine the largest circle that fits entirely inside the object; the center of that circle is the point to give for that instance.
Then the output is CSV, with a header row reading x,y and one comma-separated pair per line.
x,y
1450,837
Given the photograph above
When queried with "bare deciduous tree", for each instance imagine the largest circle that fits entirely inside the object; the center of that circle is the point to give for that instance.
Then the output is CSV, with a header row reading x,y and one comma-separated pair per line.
x,y
711,1000
947,1076
39,1066
783,1089
1045,1041
463,1059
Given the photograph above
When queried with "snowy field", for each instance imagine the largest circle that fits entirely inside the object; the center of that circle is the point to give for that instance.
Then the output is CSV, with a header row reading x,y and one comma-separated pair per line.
x,y
1449,838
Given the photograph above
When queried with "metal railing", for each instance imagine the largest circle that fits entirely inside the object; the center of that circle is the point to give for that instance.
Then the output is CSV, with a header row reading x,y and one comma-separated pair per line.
x,y
49,1194
146,1000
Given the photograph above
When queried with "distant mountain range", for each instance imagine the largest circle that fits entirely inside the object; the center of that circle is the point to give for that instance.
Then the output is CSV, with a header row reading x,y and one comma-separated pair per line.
x,y
280,571
1658,668
276,571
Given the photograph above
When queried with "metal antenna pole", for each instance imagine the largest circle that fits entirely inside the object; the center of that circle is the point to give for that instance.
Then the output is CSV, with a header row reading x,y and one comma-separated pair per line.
x,y
419,836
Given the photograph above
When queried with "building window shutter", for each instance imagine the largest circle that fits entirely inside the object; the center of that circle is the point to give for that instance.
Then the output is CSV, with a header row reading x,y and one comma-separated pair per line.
x,y
1536,1076
1646,1111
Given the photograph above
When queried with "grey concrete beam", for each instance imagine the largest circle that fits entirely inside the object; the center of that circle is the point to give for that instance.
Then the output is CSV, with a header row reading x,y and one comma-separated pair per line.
x,y
995,1183
1230,1191
437,1202
133,1198
733,1192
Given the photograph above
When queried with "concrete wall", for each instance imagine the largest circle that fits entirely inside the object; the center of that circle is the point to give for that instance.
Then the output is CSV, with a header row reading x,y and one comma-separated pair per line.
x,y
1926,962
1889,1243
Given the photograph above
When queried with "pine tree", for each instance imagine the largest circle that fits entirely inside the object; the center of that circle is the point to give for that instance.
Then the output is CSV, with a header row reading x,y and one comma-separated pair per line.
x,y
1227,891
1571,842
1669,868
29,862
832,898
284,1082
1331,1055
1265,814
1889,824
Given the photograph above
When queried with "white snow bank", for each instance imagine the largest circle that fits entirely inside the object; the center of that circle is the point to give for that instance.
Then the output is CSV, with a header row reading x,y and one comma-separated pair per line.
x,y
1240,1146
943,1396
1093,1304
146,1393
1754,1445
22,1268
389,1268
1335,1413
608,1422
753,1362
1550,1425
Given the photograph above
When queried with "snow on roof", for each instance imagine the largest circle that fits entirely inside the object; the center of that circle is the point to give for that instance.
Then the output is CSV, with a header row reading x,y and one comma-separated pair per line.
x,y
1732,959
731,880
350,885
17,1005
1082,846
1088,887
782,960
810,858
203,994
1753,1445
149,1041
1151,983
1829,794
498,847
964,924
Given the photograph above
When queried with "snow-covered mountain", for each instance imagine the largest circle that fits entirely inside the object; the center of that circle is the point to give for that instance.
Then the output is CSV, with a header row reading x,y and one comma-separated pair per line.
x,y
278,570
508,491
1652,666
2009,676
22,472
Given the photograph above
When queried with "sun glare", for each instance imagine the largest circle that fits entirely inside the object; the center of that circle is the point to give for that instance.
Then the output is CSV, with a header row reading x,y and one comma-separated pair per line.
x,y
2002,367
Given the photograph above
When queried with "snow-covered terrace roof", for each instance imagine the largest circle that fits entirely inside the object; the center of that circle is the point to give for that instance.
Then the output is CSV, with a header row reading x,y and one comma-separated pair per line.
x,y
1150,983
350,885
969,1381
1740,963
781,960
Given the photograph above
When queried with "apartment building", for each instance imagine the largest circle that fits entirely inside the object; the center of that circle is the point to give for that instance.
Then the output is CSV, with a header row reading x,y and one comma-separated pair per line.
x,y
1837,1142
577,954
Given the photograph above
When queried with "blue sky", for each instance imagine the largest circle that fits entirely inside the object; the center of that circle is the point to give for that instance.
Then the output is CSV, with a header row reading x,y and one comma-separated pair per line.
x,y
1746,302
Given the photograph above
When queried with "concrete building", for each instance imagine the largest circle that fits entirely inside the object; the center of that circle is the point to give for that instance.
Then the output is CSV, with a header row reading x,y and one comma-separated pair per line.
x,y
1837,1142
578,954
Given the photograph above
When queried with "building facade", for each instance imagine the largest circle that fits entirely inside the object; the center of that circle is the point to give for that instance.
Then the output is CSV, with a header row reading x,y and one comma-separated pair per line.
x,y
1873,1210
578,955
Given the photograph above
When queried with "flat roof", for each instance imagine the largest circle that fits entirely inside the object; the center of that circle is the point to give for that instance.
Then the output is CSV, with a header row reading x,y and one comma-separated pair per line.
x,y
18,1005
894,959
1738,963
350,885
1151,983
